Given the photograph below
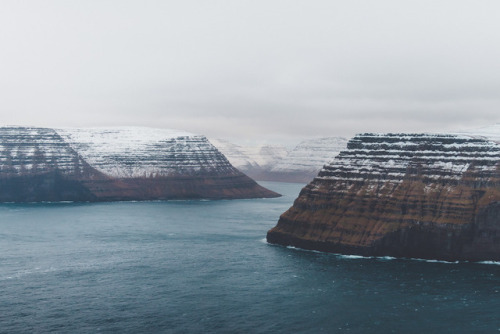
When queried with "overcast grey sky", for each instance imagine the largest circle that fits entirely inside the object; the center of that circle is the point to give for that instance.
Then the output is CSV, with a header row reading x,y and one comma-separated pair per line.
x,y
251,69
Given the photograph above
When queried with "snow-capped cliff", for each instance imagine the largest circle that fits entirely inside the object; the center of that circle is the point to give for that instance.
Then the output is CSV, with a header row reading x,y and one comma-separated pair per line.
x,y
32,150
106,164
143,152
311,155
433,196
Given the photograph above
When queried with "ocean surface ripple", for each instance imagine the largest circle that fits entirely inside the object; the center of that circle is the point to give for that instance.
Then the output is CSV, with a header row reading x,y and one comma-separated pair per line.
x,y
204,267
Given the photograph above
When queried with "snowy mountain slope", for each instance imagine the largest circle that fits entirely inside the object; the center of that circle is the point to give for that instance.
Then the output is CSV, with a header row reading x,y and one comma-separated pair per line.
x,y
115,164
248,157
275,163
311,155
237,155
143,152
389,157
491,132
32,150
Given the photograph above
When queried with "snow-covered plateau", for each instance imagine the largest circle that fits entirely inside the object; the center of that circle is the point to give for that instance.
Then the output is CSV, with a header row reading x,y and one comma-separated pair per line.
x,y
118,163
143,152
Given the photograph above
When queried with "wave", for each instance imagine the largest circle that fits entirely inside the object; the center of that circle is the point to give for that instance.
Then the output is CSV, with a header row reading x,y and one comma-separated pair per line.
x,y
496,263
306,250
386,258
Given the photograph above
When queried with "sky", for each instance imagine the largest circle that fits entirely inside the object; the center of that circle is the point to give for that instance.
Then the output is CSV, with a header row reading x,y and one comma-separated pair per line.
x,y
253,70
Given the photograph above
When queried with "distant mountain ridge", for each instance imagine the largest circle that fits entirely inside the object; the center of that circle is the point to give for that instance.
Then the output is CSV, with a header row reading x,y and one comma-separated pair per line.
x,y
108,164
276,163
247,157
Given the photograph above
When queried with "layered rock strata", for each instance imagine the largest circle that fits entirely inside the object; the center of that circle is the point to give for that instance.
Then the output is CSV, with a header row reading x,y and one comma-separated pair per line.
x,y
41,164
402,195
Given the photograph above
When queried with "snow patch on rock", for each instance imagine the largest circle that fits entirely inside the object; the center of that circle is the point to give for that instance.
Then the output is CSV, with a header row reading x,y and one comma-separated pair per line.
x,y
127,152
311,155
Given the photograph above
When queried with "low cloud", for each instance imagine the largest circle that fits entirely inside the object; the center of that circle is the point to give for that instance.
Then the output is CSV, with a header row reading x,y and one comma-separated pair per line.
x,y
252,70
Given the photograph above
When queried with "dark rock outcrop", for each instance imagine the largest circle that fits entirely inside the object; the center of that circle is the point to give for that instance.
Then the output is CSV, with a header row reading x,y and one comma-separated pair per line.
x,y
40,164
403,195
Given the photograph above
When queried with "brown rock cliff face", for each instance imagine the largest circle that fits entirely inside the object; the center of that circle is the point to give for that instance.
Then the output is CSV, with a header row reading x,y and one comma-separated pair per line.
x,y
420,196
38,164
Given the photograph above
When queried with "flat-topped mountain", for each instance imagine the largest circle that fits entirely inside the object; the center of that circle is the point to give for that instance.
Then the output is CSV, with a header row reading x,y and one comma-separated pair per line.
x,y
426,196
128,152
106,164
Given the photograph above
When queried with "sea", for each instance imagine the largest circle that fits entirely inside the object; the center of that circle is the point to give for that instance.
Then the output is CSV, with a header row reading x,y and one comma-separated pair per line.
x,y
205,267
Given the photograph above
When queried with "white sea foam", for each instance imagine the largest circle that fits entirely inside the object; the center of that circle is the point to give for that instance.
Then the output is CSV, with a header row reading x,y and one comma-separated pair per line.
x,y
352,256
497,263
389,258
435,261
304,250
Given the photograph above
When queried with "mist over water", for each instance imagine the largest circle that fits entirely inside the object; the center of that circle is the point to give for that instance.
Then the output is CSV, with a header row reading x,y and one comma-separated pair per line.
x,y
202,266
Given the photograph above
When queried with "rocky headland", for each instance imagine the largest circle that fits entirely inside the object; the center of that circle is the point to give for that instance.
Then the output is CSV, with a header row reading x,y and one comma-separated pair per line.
x,y
116,164
427,196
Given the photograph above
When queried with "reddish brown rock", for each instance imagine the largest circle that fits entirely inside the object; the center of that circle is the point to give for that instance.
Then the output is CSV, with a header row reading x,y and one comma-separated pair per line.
x,y
419,196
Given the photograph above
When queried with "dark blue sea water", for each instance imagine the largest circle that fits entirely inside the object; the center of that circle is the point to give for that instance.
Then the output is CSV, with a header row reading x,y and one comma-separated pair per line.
x,y
203,267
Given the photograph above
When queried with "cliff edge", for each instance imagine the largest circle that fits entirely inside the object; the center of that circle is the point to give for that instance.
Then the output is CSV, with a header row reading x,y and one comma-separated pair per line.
x,y
116,164
427,196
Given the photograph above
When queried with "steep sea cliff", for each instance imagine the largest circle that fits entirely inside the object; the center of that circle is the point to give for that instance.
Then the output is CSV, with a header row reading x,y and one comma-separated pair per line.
x,y
406,195
108,164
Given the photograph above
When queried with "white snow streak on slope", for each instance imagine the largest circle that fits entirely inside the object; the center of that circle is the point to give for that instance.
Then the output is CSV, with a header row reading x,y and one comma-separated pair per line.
x,y
491,132
143,152
389,159
308,156
311,155
27,149
119,139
